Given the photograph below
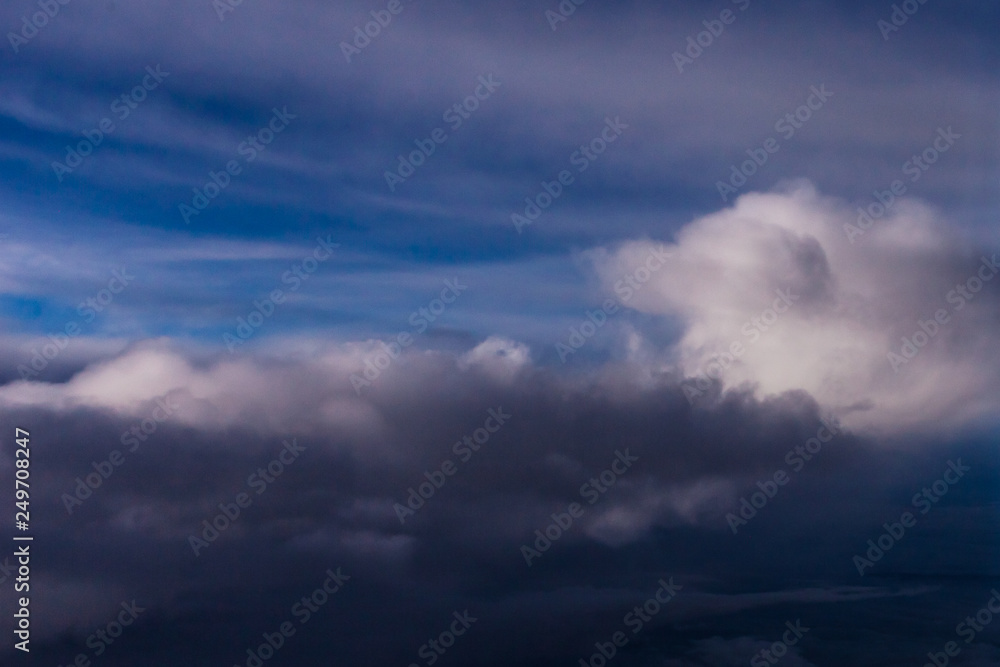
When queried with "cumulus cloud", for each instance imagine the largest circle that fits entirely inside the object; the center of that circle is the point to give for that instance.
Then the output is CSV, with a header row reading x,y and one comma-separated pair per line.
x,y
778,292
365,454
499,357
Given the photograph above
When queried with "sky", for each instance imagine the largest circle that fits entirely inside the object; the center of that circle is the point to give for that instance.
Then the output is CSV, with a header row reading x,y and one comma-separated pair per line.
x,y
534,333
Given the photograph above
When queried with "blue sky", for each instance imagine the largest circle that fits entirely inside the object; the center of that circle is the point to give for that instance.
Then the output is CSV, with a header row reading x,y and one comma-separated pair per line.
x,y
325,173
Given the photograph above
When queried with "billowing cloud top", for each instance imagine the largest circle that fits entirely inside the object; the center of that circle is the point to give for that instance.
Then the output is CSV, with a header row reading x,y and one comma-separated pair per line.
x,y
890,325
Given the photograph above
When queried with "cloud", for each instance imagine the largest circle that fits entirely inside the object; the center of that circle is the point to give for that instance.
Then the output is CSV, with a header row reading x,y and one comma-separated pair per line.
x,y
408,437
773,294
499,357
364,454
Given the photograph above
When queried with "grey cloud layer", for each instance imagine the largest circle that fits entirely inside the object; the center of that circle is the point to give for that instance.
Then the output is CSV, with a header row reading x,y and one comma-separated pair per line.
x,y
335,507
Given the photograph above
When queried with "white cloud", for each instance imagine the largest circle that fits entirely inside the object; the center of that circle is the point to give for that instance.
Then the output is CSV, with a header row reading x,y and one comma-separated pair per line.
x,y
500,358
846,306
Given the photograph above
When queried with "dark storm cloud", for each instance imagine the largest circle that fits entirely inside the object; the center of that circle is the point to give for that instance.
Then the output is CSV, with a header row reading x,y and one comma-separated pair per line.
x,y
332,505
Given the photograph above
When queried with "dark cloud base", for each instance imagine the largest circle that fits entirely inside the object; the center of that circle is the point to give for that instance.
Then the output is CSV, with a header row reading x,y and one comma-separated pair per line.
x,y
333,508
